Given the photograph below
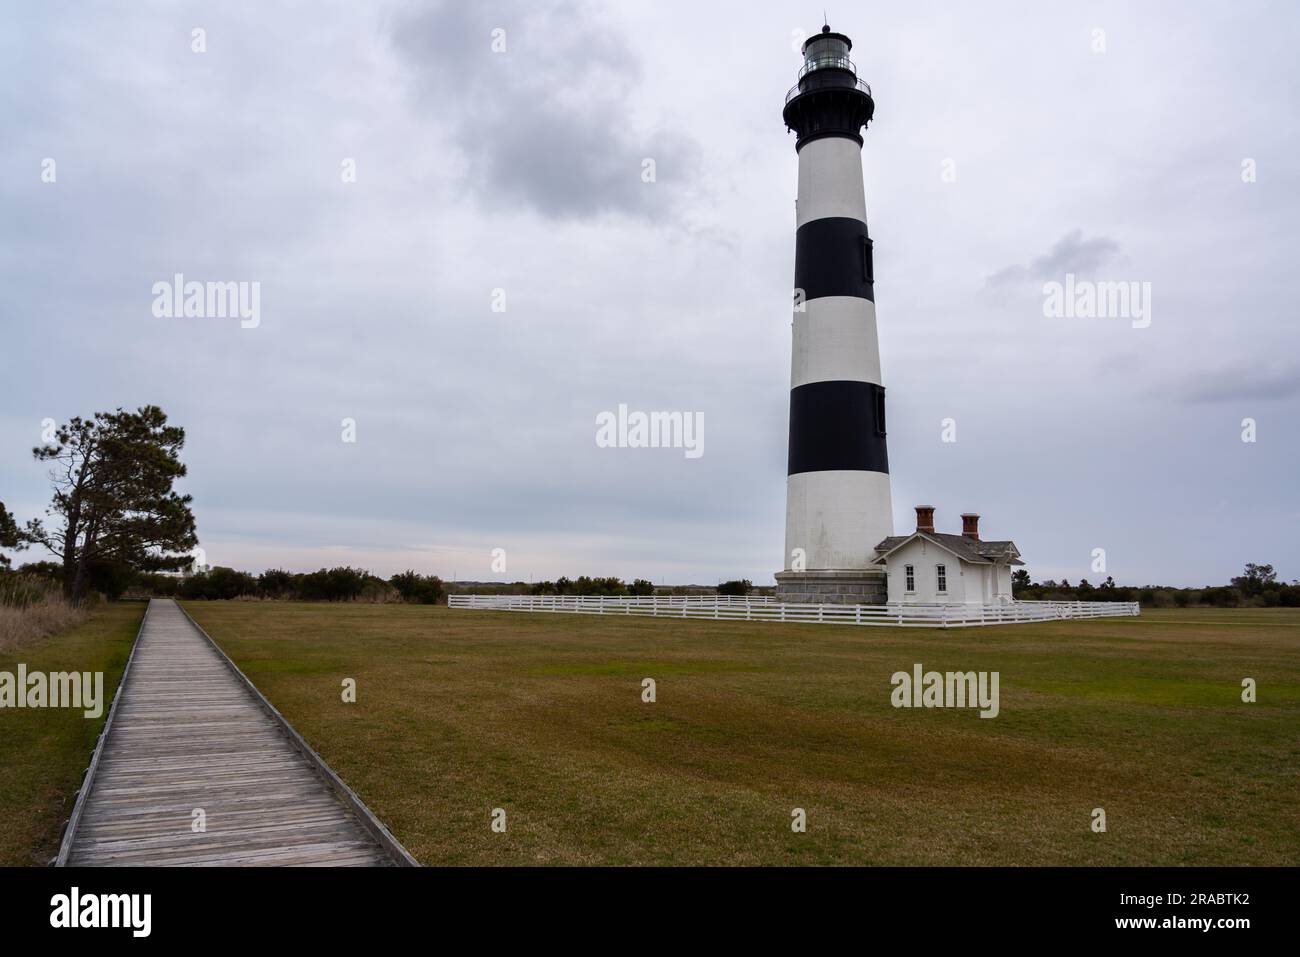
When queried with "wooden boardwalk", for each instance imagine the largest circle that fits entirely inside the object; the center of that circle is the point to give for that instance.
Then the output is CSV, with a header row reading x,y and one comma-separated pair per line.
x,y
188,732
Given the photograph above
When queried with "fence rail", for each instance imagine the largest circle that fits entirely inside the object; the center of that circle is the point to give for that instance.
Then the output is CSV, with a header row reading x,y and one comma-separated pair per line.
x,y
769,609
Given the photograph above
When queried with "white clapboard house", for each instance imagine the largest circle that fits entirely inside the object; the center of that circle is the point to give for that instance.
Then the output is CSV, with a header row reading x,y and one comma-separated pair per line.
x,y
929,567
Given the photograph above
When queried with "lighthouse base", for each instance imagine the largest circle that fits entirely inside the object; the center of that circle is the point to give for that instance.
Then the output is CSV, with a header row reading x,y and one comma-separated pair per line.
x,y
851,586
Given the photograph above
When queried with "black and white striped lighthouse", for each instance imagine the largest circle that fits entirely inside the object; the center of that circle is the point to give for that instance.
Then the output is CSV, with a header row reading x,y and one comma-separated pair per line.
x,y
837,492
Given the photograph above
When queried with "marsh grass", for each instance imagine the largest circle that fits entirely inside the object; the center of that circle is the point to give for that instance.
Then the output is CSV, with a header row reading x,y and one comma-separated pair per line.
x,y
33,608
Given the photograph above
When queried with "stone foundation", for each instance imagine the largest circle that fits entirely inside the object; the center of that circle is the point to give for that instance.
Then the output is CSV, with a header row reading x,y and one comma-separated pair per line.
x,y
832,587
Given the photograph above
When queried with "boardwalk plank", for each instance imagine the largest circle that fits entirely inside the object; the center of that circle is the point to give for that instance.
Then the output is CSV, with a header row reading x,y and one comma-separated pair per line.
x,y
187,733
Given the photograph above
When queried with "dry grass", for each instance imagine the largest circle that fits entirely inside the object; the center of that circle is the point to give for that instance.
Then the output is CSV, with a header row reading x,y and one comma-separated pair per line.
x,y
460,712
44,751
31,609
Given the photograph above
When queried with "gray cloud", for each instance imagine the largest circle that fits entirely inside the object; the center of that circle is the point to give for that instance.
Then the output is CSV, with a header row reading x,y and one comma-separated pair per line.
x,y
547,121
1260,380
1069,254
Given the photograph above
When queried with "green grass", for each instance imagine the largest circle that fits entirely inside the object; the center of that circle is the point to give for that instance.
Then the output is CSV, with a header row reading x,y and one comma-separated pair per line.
x,y
460,712
43,752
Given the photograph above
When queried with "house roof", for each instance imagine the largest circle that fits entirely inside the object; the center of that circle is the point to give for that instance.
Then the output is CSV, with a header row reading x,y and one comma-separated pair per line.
x,y
973,550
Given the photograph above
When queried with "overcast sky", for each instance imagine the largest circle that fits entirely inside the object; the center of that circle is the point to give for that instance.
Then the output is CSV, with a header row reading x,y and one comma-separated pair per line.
x,y
522,170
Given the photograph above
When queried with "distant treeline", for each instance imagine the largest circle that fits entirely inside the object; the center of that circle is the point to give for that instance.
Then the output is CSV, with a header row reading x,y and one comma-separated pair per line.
x,y
1256,587
327,584
615,587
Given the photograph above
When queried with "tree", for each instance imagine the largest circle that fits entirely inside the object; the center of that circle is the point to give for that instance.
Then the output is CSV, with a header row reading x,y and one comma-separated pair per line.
x,y
1255,578
10,536
641,586
275,582
113,498
1020,580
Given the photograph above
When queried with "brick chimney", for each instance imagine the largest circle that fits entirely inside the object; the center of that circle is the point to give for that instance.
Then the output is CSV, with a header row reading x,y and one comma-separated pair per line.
x,y
970,525
925,518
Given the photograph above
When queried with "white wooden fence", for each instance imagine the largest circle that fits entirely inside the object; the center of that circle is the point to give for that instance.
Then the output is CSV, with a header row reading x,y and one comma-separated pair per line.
x,y
769,609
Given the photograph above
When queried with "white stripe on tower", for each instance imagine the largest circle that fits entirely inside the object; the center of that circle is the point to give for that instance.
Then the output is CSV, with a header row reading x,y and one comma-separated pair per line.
x,y
837,495
830,180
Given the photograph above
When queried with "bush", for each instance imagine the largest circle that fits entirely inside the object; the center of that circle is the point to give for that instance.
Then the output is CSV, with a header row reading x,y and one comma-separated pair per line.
x,y
51,571
217,584
418,589
275,583
333,584
109,578
584,585
153,585
742,586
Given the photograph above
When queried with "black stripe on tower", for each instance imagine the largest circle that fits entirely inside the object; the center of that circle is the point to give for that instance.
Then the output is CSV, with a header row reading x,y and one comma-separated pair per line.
x,y
837,425
832,257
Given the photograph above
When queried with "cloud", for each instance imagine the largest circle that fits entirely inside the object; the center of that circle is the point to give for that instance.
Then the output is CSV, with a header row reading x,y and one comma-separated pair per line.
x,y
1243,381
522,170
544,120
1069,254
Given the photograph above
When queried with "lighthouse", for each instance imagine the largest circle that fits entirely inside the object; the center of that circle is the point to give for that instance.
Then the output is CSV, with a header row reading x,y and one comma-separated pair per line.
x,y
837,487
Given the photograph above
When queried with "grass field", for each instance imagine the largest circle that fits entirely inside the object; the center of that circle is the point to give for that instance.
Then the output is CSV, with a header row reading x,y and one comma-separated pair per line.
x,y
460,712
43,752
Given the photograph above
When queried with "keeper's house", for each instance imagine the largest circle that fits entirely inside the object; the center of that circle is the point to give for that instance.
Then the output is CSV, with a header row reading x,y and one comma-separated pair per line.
x,y
928,567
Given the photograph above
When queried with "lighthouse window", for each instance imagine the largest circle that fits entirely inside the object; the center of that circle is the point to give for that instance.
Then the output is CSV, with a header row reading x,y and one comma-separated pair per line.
x,y
941,577
880,411
909,576
868,270
827,52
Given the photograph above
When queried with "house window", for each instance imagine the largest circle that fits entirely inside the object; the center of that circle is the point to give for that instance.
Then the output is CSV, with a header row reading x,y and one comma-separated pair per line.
x,y
909,576
941,576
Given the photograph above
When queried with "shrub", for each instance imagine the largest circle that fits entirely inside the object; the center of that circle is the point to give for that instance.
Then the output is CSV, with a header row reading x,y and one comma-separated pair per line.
x,y
275,583
217,584
741,586
418,589
333,584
